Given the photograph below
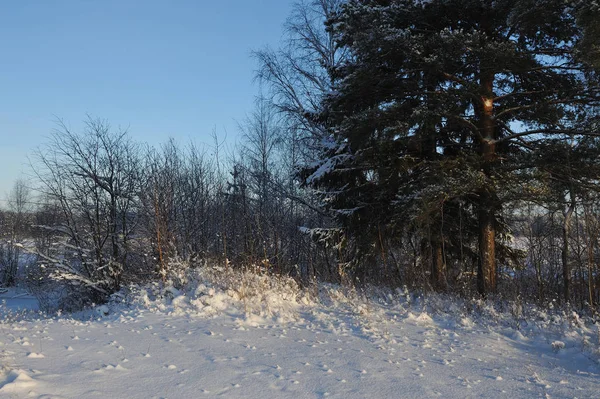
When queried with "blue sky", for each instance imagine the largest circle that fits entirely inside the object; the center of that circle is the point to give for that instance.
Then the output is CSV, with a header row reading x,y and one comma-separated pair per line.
x,y
171,68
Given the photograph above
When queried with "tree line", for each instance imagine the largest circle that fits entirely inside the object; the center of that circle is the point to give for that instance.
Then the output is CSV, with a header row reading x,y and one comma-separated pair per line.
x,y
446,144
440,127
110,211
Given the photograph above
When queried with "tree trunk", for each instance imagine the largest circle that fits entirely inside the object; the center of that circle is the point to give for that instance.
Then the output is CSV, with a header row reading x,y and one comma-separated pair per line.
x,y
566,229
590,251
438,265
486,271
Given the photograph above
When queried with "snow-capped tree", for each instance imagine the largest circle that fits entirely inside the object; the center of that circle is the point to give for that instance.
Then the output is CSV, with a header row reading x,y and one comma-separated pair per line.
x,y
443,107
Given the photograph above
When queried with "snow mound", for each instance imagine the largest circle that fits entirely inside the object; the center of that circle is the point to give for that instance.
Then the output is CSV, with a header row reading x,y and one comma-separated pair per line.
x,y
212,291
16,381
557,346
102,310
259,299
422,318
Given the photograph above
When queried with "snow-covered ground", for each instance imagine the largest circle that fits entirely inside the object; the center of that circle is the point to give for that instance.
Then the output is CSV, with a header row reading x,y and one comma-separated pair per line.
x,y
17,299
273,341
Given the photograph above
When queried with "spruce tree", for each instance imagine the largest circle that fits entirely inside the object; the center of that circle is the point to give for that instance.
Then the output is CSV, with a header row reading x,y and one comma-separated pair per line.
x,y
447,103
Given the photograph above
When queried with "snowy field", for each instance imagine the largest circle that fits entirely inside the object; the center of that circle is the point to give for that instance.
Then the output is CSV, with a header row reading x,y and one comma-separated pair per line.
x,y
273,341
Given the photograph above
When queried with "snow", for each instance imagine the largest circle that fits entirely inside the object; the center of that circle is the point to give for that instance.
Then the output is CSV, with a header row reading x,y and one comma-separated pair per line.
x,y
328,165
256,336
17,299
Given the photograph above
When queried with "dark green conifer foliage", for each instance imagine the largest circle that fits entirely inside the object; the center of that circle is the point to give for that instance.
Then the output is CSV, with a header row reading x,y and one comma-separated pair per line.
x,y
448,106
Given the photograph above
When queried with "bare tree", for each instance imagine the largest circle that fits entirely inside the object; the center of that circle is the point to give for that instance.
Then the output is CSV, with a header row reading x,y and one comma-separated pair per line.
x,y
298,74
176,198
297,77
16,225
93,178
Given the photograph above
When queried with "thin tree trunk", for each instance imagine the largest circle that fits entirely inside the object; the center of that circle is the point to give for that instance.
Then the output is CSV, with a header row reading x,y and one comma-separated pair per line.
x,y
590,250
158,225
566,230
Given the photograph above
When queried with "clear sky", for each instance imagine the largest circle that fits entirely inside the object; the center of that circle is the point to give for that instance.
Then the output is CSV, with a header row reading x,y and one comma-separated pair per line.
x,y
163,68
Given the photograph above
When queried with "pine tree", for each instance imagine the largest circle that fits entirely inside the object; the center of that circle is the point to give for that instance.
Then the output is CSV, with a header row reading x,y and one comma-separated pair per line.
x,y
446,103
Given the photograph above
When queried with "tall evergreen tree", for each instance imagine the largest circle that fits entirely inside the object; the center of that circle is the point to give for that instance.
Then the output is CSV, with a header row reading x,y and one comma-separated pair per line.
x,y
448,103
